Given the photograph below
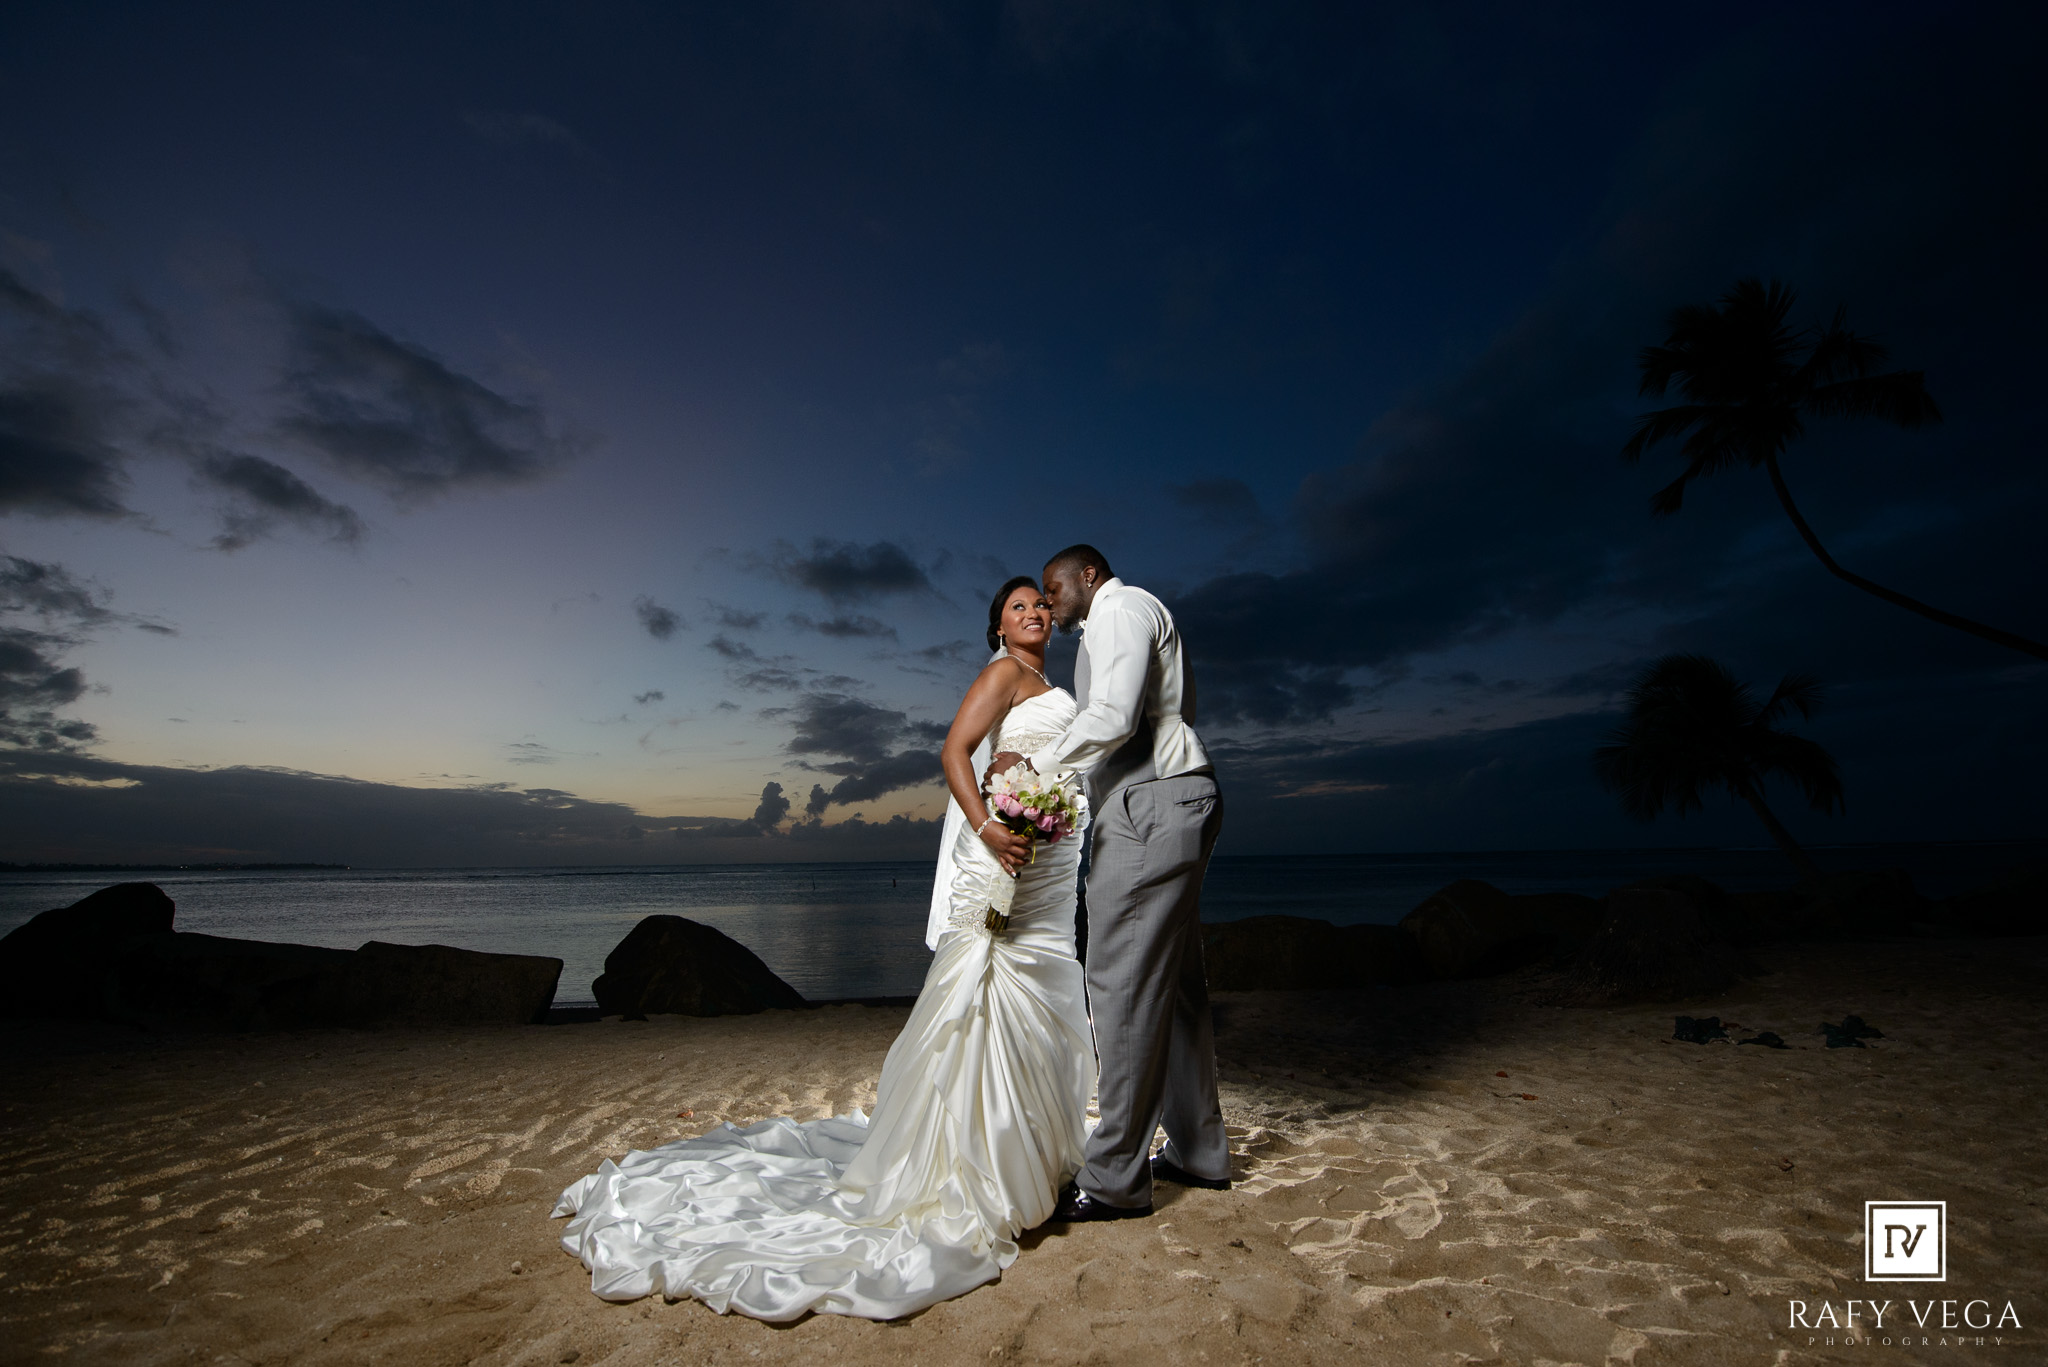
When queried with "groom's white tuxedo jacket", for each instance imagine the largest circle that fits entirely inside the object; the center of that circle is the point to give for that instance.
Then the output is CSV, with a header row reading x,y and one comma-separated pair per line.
x,y
1135,692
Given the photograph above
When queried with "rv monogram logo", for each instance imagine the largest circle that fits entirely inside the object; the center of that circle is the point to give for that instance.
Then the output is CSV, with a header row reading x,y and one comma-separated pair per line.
x,y
1905,1241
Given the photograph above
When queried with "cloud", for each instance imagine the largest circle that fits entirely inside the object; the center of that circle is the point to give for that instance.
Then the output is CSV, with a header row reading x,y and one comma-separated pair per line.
x,y
773,809
734,619
845,572
750,670
651,695
1495,506
50,592
769,679
1531,785
33,686
529,752
402,419
272,493
71,807
1227,504
78,407
844,627
878,750
34,681
507,129
659,621
61,408
731,649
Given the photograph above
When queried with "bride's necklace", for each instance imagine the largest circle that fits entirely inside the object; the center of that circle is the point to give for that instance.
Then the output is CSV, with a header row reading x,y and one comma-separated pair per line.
x,y
1041,678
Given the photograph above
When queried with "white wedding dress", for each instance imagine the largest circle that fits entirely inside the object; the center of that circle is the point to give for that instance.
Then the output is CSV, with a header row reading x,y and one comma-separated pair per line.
x,y
980,1116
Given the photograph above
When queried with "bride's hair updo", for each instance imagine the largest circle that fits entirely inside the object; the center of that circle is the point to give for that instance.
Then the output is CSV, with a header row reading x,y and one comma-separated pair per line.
x,y
995,609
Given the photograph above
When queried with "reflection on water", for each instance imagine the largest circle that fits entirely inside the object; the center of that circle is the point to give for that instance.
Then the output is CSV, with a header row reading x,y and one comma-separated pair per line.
x,y
857,930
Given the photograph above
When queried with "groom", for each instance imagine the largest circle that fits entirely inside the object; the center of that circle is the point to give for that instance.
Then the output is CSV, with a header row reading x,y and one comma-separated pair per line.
x,y
1156,814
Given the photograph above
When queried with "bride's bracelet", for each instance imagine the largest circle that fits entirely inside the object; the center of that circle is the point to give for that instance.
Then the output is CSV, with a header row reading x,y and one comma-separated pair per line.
x,y
984,825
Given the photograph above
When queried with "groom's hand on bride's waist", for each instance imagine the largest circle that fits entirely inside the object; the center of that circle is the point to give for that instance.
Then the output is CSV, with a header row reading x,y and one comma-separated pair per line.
x,y
1004,761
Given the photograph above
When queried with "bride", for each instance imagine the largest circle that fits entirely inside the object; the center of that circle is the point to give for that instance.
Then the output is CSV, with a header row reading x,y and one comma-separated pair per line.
x,y
981,1112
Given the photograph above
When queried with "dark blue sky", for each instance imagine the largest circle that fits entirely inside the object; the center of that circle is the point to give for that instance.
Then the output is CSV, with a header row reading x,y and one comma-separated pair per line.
x,y
450,434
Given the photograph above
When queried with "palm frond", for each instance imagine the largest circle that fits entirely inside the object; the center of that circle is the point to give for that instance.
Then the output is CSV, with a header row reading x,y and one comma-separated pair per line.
x,y
1671,498
1662,425
1754,298
1660,365
1801,693
1616,767
1899,397
1740,434
1839,354
1808,765
1692,726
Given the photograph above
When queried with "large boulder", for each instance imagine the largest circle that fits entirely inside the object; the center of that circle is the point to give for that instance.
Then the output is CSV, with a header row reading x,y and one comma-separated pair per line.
x,y
439,985
1657,942
1833,906
57,963
1470,928
1284,953
671,966
1764,916
215,982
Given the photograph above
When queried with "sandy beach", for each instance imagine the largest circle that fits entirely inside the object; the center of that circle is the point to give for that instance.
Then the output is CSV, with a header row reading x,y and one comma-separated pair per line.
x,y
1451,1173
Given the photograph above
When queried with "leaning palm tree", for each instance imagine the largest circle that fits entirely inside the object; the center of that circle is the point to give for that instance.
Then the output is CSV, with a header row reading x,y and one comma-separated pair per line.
x,y
1692,726
1750,382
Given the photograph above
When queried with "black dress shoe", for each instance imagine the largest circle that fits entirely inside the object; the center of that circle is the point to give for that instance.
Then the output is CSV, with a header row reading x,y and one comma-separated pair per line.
x,y
1076,1206
1163,1171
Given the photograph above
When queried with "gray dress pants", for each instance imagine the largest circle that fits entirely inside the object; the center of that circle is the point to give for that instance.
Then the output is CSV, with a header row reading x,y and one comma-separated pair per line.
x,y
1146,988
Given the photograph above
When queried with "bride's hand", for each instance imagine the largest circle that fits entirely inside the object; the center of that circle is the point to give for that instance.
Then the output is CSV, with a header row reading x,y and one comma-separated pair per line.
x,y
1011,850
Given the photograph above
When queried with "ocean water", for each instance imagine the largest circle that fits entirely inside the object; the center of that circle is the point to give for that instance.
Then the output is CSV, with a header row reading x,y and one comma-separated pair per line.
x,y
857,930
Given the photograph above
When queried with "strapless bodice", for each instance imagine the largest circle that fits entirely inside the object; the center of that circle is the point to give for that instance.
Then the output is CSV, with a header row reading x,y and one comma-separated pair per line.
x,y
1034,723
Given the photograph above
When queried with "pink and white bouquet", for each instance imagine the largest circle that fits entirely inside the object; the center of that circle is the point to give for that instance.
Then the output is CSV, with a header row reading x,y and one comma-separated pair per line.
x,y
1037,808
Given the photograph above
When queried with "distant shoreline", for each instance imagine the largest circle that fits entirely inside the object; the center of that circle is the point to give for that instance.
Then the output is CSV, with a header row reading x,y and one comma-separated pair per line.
x,y
1644,851
6,867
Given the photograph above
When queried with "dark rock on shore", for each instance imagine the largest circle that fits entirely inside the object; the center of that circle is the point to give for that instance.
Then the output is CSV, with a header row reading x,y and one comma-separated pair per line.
x,y
56,964
439,984
1880,902
1667,938
1657,943
214,982
2015,905
1755,918
671,966
114,956
1856,905
1286,953
1471,929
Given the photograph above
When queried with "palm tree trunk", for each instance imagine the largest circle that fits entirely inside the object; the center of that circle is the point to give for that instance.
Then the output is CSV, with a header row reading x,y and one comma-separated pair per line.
x,y
1933,614
1793,851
